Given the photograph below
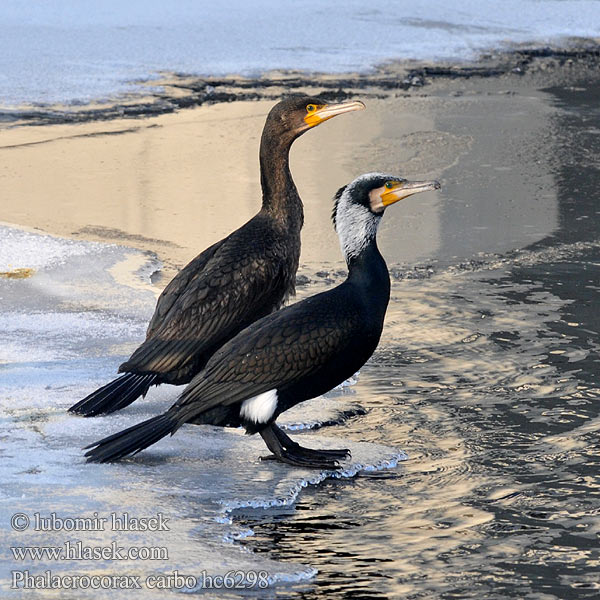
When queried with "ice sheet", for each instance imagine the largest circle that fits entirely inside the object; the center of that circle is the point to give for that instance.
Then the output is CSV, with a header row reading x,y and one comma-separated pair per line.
x,y
63,332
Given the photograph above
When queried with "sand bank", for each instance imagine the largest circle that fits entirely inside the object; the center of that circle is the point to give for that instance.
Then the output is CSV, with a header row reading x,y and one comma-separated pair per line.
x,y
174,183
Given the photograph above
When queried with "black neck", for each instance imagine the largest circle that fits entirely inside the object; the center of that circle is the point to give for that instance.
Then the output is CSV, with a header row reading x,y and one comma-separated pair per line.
x,y
280,196
368,273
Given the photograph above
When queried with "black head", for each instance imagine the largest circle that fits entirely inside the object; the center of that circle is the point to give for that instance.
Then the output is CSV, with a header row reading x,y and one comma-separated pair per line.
x,y
296,114
359,206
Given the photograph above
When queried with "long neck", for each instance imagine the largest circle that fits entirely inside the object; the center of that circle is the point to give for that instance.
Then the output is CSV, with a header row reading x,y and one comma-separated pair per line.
x,y
368,274
280,196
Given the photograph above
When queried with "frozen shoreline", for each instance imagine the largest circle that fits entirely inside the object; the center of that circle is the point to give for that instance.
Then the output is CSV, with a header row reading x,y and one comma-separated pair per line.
x,y
65,51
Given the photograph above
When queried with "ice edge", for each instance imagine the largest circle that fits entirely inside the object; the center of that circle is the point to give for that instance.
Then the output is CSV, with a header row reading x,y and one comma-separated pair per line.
x,y
351,471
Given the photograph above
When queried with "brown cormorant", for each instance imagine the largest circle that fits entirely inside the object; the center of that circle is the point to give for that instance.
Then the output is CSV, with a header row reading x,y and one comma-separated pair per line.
x,y
295,354
236,281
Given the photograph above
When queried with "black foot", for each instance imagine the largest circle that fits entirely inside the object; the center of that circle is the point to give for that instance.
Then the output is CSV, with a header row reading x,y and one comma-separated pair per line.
x,y
291,445
300,461
286,450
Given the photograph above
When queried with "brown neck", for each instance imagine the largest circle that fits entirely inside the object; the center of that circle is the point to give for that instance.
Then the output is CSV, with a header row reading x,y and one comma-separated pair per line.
x,y
280,196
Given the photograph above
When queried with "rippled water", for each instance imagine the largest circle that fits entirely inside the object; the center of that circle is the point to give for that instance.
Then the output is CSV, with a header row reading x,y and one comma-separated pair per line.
x,y
488,377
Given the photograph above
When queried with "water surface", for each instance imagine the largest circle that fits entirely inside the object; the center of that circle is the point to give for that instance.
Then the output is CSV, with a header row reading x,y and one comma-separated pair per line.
x,y
67,51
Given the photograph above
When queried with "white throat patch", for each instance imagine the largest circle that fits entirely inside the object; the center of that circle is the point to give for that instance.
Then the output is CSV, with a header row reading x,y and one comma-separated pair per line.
x,y
356,225
259,409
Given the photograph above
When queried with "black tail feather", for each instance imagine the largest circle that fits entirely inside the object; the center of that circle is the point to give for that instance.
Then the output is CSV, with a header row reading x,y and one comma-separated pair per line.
x,y
132,440
117,394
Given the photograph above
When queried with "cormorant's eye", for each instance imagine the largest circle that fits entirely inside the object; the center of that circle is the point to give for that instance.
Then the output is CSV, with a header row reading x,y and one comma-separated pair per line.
x,y
389,185
311,108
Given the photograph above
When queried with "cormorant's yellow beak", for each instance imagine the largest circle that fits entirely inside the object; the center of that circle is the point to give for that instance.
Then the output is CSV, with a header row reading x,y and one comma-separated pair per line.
x,y
318,114
398,190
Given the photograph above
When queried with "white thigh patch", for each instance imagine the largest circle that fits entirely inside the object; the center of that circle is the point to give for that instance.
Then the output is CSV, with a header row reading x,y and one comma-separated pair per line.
x,y
259,408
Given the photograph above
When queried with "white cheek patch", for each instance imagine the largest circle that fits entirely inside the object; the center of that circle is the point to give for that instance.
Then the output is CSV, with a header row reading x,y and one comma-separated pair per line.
x,y
259,409
375,199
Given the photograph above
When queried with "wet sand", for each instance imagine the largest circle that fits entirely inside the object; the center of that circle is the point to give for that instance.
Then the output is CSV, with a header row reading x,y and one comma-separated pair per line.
x,y
174,183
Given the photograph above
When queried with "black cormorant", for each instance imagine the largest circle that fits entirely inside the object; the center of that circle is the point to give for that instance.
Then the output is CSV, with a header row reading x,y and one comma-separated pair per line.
x,y
235,282
298,353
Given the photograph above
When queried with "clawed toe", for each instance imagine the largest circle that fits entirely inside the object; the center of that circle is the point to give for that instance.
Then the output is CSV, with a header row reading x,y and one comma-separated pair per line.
x,y
297,460
332,453
313,461
268,457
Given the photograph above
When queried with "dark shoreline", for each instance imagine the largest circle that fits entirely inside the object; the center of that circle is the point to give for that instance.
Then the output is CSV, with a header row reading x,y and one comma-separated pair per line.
x,y
179,91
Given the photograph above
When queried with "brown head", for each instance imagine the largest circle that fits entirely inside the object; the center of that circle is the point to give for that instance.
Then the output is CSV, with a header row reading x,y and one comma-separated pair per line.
x,y
293,116
286,121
